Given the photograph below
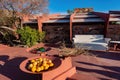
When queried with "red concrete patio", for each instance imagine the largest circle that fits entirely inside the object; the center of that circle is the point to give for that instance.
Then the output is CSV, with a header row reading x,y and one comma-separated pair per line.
x,y
103,66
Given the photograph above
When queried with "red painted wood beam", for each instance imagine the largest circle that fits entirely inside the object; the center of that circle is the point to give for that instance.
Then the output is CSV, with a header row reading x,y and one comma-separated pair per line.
x,y
105,17
71,19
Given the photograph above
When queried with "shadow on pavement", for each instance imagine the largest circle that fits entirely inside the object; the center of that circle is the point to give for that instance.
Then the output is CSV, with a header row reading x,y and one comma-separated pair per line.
x,y
10,69
107,55
108,71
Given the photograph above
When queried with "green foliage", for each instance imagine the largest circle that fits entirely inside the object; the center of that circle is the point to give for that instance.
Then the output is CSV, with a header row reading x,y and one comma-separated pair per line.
x,y
29,36
70,11
41,36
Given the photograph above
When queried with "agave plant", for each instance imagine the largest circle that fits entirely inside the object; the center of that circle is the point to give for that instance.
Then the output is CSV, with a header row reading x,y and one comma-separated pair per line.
x,y
6,29
7,34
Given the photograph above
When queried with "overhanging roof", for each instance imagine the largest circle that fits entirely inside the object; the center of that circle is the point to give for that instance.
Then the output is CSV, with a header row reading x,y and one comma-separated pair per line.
x,y
61,16
88,20
30,22
57,21
84,16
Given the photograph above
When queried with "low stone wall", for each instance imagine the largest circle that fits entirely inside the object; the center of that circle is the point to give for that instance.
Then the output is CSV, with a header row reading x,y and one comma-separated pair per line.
x,y
56,32
114,32
88,29
60,32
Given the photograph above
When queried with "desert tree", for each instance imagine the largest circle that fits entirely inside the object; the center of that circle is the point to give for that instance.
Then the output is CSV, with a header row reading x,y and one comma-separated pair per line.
x,y
15,9
11,12
70,11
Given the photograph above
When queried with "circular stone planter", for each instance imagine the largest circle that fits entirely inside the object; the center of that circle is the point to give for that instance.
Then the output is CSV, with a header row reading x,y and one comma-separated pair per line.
x,y
55,60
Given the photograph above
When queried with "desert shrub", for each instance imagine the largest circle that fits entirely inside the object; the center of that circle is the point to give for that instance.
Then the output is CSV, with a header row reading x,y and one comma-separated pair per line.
x,y
29,36
8,39
41,36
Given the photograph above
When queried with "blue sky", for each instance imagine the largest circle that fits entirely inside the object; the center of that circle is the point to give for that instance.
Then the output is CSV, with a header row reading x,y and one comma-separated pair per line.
x,y
61,6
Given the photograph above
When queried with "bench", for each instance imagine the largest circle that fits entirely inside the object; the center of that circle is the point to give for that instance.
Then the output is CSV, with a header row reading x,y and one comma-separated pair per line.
x,y
91,42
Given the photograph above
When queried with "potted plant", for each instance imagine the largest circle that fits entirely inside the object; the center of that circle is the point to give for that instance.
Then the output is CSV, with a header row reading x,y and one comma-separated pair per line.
x,y
41,51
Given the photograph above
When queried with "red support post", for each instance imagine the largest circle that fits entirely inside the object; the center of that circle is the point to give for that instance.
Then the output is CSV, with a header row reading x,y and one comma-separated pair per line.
x,y
71,18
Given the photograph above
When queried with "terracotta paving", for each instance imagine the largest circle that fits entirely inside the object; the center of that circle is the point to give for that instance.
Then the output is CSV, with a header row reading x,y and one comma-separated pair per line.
x,y
102,66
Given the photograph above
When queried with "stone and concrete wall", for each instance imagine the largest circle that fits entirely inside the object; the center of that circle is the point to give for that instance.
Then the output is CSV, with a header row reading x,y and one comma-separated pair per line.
x,y
88,29
32,25
114,32
56,32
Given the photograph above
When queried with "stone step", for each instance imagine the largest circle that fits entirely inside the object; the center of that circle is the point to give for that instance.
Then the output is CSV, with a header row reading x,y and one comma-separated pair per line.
x,y
65,74
81,76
